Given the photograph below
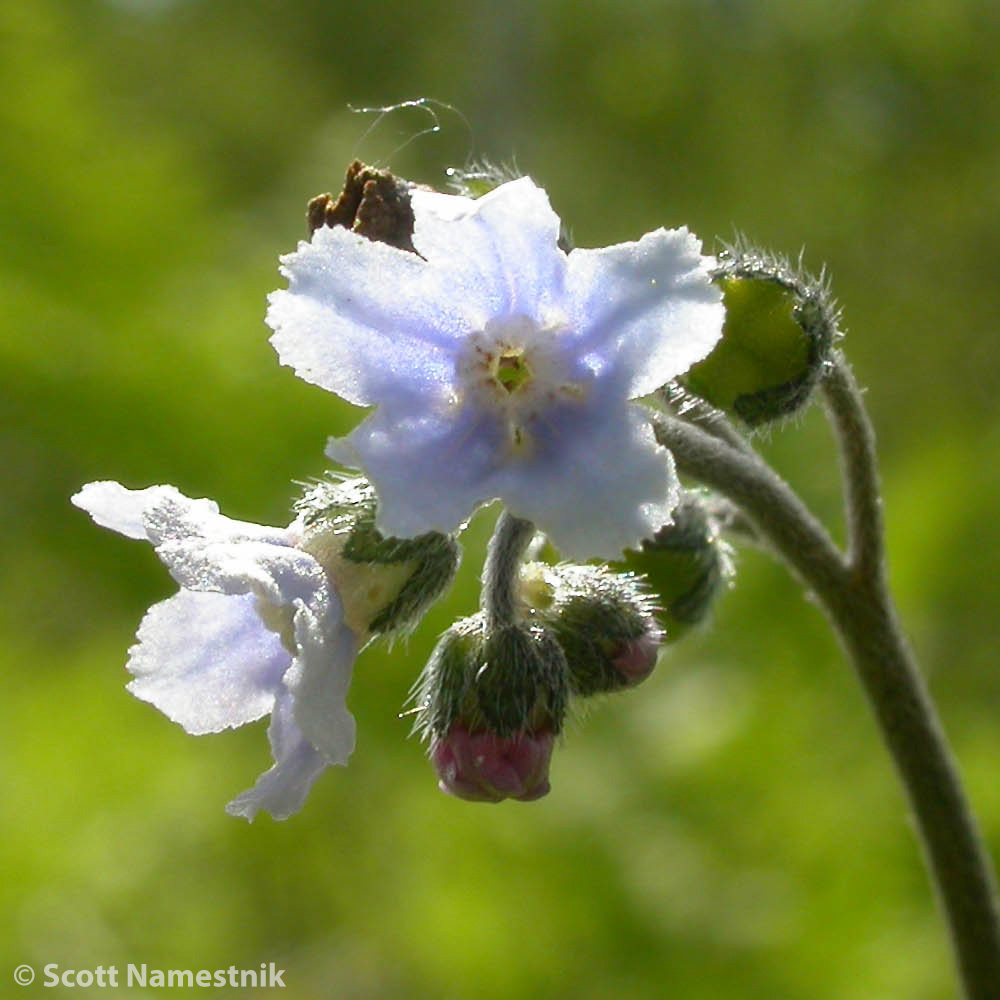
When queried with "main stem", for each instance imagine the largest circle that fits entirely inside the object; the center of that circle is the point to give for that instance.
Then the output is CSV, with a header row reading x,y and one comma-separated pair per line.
x,y
897,690
857,601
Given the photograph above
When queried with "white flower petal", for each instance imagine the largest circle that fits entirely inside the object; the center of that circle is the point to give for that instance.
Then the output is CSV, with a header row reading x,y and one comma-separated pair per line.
x,y
366,320
171,516
207,661
277,574
113,506
644,312
601,483
591,475
163,513
503,245
319,679
283,789
430,471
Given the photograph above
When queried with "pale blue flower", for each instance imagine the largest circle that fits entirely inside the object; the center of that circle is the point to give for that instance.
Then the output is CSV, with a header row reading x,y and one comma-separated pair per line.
x,y
501,367
256,629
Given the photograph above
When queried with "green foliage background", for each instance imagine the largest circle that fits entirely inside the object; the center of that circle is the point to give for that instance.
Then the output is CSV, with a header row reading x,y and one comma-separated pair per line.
x,y
731,829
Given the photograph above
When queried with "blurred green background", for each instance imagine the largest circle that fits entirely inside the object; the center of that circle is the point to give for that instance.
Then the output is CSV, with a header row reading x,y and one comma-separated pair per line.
x,y
732,828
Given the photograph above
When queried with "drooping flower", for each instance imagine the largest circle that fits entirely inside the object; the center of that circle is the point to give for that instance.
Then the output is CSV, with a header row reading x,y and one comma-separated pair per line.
x,y
269,620
255,630
501,367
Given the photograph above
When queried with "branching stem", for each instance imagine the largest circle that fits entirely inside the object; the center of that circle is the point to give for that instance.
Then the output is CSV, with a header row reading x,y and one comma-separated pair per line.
x,y
855,596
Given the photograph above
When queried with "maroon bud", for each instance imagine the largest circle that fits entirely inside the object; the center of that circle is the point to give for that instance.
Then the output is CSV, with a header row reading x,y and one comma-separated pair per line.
x,y
635,658
485,767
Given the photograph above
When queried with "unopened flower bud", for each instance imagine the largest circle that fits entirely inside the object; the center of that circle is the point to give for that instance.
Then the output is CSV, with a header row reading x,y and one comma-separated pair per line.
x,y
491,703
685,564
780,326
485,767
603,621
385,584
636,658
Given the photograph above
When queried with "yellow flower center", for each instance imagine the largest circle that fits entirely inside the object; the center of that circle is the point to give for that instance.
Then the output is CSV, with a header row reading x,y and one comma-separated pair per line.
x,y
512,370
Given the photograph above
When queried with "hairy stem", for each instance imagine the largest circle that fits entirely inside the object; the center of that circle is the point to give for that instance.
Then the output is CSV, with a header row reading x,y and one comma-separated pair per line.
x,y
765,498
696,411
856,436
511,538
861,610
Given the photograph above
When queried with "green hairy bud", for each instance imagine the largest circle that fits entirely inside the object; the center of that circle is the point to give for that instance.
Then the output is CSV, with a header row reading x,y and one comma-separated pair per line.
x,y
509,680
685,564
604,622
780,326
385,584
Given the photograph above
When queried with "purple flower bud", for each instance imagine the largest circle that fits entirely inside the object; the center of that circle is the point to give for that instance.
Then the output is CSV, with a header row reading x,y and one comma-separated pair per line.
x,y
636,658
485,767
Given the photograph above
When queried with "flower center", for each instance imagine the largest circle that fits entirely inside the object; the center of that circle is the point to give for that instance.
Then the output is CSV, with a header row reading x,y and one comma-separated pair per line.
x,y
512,370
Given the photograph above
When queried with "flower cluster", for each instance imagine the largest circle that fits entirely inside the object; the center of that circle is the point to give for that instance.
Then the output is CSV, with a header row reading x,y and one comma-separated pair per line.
x,y
500,367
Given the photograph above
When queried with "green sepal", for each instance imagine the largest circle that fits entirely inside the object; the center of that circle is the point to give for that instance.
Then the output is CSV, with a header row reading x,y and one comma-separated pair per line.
x,y
779,329
338,518
685,565
507,680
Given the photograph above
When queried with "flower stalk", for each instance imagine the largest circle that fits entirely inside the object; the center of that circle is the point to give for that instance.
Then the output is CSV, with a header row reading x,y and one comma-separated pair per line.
x,y
510,541
863,498
853,591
